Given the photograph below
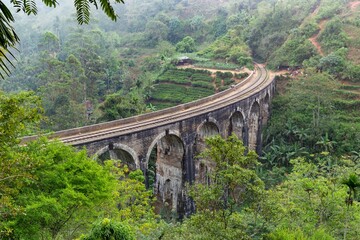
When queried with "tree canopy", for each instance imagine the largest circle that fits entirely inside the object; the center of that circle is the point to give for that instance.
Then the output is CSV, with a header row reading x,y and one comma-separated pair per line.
x,y
8,36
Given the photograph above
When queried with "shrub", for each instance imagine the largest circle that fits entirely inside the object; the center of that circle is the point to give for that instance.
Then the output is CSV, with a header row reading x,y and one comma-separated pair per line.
x,y
187,45
224,74
242,75
203,85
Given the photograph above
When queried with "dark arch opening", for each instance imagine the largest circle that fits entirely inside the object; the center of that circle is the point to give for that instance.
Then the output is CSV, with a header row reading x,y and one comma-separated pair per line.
x,y
208,129
165,174
265,109
202,166
254,126
237,125
119,154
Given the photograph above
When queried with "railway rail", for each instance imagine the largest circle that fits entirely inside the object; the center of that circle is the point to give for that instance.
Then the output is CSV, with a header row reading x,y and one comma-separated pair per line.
x,y
258,80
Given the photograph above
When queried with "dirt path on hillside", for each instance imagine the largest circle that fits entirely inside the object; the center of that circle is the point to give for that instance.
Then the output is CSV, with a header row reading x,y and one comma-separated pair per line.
x,y
314,38
353,5
213,71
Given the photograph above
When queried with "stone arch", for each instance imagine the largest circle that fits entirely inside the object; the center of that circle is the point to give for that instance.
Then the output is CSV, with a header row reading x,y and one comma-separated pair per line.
x,y
208,128
203,167
265,109
237,125
118,151
254,125
168,171
157,139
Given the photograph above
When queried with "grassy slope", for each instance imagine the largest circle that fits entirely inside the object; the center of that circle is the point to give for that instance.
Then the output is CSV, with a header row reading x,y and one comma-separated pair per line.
x,y
345,97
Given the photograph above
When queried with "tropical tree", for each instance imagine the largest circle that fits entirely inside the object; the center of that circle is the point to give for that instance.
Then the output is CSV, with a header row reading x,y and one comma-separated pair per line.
x,y
187,45
352,182
232,186
108,229
17,112
65,193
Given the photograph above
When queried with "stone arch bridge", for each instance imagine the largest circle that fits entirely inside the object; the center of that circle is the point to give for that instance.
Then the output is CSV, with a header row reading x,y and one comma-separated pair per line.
x,y
174,136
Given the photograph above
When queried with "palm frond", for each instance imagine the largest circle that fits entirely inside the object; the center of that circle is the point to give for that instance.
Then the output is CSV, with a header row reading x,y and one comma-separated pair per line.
x,y
108,9
50,3
94,3
17,4
4,60
29,7
82,11
8,39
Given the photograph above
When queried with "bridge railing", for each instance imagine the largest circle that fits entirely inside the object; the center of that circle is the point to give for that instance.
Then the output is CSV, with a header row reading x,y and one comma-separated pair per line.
x,y
139,118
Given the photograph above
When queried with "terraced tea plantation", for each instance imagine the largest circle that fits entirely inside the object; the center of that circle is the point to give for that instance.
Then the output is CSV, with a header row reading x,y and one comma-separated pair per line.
x,y
177,86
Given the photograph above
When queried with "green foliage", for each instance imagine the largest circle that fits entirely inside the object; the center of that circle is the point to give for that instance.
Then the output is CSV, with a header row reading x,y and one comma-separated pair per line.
x,y
329,8
202,84
333,36
230,48
67,190
242,75
187,45
156,32
217,65
50,190
136,204
9,38
71,77
290,234
352,72
19,113
181,86
334,63
310,29
108,229
303,117
271,28
179,94
293,53
234,178
234,186
224,74
314,198
117,106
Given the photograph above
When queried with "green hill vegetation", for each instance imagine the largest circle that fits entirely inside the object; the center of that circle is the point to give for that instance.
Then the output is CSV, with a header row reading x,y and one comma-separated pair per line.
x,y
177,86
303,185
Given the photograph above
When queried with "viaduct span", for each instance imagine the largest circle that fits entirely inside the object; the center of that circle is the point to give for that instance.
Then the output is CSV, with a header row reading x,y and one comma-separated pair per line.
x,y
174,136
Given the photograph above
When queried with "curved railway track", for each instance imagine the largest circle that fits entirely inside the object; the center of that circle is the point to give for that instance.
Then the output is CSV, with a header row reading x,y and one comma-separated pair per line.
x,y
257,81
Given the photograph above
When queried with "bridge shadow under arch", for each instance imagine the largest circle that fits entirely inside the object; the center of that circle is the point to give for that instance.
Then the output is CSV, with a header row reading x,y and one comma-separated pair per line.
x,y
265,109
237,126
165,172
254,125
203,167
118,151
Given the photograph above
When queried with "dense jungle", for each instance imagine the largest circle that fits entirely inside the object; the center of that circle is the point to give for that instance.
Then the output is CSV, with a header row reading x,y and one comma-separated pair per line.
x,y
305,182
